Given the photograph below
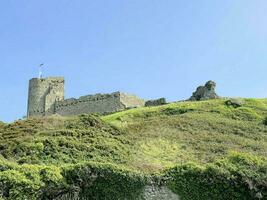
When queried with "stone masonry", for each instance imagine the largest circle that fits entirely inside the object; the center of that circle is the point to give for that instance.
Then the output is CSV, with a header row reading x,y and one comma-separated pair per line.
x,y
156,102
43,93
46,97
99,103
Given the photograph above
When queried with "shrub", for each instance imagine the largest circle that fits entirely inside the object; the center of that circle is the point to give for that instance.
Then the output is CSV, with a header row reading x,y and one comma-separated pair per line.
x,y
2,124
100,181
265,121
238,177
176,111
14,185
92,181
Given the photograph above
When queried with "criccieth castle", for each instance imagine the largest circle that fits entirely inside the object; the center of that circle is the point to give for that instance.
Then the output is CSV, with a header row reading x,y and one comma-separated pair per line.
x,y
46,97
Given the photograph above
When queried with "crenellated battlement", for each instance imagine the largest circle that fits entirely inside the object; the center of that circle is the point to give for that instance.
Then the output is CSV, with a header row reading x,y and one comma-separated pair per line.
x,y
87,98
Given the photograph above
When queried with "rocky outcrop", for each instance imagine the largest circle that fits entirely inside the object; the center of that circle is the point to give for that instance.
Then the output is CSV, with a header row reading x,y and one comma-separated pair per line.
x,y
235,102
205,92
156,102
152,192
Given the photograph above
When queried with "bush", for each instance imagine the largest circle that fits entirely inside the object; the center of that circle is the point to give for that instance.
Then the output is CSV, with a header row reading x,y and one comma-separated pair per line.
x,y
237,177
265,121
92,181
2,124
176,111
107,182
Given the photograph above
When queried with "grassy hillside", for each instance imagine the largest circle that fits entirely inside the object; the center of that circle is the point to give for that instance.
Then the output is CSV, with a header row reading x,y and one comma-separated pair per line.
x,y
201,148
192,131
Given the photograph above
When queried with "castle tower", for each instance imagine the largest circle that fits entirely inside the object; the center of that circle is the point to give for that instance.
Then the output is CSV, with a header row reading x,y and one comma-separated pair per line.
x,y
43,93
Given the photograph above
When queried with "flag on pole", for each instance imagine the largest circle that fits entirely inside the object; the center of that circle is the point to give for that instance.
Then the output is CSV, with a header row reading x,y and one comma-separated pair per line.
x,y
40,70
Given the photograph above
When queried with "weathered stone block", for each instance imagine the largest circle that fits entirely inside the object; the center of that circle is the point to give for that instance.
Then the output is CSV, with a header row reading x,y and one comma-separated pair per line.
x,y
235,102
156,102
152,192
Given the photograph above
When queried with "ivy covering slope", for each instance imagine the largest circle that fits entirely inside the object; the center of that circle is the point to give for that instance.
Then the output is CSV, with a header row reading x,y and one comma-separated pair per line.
x,y
198,149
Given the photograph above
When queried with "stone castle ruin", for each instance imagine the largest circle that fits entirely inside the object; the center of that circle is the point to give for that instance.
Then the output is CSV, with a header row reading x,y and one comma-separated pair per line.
x,y
46,97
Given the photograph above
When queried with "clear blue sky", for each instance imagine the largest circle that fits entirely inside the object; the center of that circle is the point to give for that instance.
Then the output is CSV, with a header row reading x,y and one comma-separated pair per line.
x,y
152,48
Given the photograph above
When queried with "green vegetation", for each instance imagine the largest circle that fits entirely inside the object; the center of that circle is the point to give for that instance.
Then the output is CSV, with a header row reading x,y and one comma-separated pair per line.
x,y
238,176
86,181
57,140
265,121
202,149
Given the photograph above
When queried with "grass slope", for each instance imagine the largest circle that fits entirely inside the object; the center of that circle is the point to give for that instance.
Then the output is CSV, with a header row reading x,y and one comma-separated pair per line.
x,y
192,131
203,147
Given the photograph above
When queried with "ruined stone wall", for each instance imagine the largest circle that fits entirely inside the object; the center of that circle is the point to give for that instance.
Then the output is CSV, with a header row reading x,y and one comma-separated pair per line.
x,y
156,102
131,101
43,93
99,103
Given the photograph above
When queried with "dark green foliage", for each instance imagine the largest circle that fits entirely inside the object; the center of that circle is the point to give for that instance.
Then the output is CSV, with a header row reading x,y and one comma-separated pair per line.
x,y
176,111
85,181
87,121
104,182
265,121
156,102
239,177
58,140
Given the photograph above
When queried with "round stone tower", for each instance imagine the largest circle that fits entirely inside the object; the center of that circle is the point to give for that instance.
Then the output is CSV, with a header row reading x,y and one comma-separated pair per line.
x,y
43,93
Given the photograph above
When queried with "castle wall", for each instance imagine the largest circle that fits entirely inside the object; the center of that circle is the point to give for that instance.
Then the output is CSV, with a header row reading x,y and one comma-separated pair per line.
x,y
99,103
131,101
42,95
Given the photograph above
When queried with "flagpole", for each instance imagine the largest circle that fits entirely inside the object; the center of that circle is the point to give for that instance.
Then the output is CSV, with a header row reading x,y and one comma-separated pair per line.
x,y
40,71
